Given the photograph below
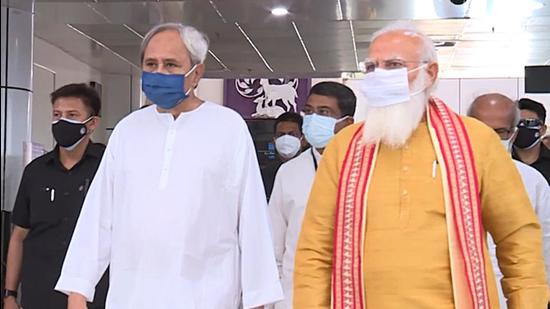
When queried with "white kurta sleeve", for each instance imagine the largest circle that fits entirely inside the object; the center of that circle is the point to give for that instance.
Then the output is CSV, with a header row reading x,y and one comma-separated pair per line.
x,y
542,209
259,276
89,251
279,221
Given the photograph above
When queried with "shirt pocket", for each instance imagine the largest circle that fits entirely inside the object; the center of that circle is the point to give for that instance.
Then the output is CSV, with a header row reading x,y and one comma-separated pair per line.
x,y
44,204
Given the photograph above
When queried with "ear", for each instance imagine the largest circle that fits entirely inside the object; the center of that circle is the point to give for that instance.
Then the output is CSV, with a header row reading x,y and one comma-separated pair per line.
x,y
543,130
349,121
92,124
197,74
433,71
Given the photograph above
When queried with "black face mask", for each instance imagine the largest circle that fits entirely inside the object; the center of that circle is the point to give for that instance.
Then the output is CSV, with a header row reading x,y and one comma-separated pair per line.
x,y
527,138
69,133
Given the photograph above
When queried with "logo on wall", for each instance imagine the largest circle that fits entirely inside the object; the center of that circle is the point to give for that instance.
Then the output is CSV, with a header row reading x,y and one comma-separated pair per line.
x,y
266,98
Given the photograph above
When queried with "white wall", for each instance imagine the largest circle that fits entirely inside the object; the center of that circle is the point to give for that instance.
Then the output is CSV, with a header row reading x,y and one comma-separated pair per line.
x,y
456,92
54,68
117,98
43,85
122,93
210,89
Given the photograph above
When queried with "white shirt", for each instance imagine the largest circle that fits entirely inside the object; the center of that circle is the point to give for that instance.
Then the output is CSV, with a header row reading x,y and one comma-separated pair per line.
x,y
287,204
538,191
178,210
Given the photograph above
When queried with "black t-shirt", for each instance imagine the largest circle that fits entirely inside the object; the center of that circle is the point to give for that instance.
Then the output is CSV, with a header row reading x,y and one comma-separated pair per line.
x,y
543,162
48,203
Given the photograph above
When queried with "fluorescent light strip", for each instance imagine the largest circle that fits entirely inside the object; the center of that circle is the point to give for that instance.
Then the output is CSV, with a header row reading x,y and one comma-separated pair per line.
x,y
218,60
99,13
354,45
217,11
254,46
44,68
339,12
303,46
103,45
133,31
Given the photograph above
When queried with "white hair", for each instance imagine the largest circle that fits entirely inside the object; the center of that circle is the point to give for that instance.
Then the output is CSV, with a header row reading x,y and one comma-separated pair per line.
x,y
428,48
195,41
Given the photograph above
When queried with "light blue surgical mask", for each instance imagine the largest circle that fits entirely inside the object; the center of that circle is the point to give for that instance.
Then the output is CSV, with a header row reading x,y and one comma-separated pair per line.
x,y
318,129
165,90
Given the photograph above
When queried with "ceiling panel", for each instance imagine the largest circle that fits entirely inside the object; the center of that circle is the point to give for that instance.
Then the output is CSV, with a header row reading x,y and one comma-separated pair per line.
x,y
107,33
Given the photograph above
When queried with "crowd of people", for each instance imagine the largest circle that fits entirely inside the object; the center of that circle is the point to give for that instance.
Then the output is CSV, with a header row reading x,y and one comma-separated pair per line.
x,y
414,207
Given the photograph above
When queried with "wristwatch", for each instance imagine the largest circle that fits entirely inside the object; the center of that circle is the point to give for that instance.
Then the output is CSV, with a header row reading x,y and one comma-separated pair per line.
x,y
8,293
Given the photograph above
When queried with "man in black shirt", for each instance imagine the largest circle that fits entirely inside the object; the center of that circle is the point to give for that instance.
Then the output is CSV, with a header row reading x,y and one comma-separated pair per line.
x,y
289,143
528,146
48,203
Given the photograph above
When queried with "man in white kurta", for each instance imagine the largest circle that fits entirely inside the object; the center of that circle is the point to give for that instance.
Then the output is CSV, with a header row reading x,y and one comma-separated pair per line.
x,y
178,211
294,178
502,114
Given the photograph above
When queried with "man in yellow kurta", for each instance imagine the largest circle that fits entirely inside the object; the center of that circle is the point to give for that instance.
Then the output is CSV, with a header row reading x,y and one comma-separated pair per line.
x,y
434,183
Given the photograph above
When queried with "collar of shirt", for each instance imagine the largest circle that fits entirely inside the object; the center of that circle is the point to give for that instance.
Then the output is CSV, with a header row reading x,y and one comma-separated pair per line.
x,y
94,150
168,118
316,153
544,153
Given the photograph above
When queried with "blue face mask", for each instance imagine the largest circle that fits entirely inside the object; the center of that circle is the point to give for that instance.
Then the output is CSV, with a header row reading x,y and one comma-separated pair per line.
x,y
165,90
318,130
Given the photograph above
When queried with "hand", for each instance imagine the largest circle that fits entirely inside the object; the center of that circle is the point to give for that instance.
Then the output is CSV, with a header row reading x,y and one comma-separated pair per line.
x,y
10,303
76,301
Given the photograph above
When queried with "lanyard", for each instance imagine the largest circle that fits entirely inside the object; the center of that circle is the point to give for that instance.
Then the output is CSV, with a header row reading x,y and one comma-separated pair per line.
x,y
314,159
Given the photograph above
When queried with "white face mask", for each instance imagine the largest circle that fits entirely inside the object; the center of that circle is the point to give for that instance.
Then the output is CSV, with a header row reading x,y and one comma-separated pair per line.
x,y
388,87
287,146
507,143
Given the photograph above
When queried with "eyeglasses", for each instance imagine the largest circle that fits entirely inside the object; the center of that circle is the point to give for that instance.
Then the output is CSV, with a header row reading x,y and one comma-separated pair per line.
x,y
530,123
370,65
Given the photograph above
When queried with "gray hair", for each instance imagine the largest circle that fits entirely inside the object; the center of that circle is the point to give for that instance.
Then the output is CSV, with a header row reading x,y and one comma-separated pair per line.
x,y
195,41
428,49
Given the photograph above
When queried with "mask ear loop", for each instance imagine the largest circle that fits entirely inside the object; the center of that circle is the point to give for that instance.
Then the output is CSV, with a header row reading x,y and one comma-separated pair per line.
x,y
343,118
420,67
186,75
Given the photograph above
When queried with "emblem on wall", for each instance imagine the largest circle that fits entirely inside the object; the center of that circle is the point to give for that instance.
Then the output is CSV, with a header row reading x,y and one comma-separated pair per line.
x,y
257,98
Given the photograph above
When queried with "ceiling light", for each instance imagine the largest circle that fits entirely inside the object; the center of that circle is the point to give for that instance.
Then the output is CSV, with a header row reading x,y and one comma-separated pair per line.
x,y
533,5
279,11
504,8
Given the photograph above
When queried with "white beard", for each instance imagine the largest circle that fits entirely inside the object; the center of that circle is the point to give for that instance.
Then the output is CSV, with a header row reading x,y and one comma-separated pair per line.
x,y
393,125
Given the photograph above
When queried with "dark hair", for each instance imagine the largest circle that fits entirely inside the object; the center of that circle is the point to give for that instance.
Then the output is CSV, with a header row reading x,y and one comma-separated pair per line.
x,y
533,106
87,94
289,117
343,94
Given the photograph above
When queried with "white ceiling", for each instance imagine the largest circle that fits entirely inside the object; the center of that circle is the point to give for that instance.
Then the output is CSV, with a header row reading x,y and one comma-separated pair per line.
x,y
492,38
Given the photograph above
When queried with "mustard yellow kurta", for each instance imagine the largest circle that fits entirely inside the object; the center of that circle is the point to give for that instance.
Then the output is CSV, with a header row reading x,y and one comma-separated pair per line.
x,y
406,247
